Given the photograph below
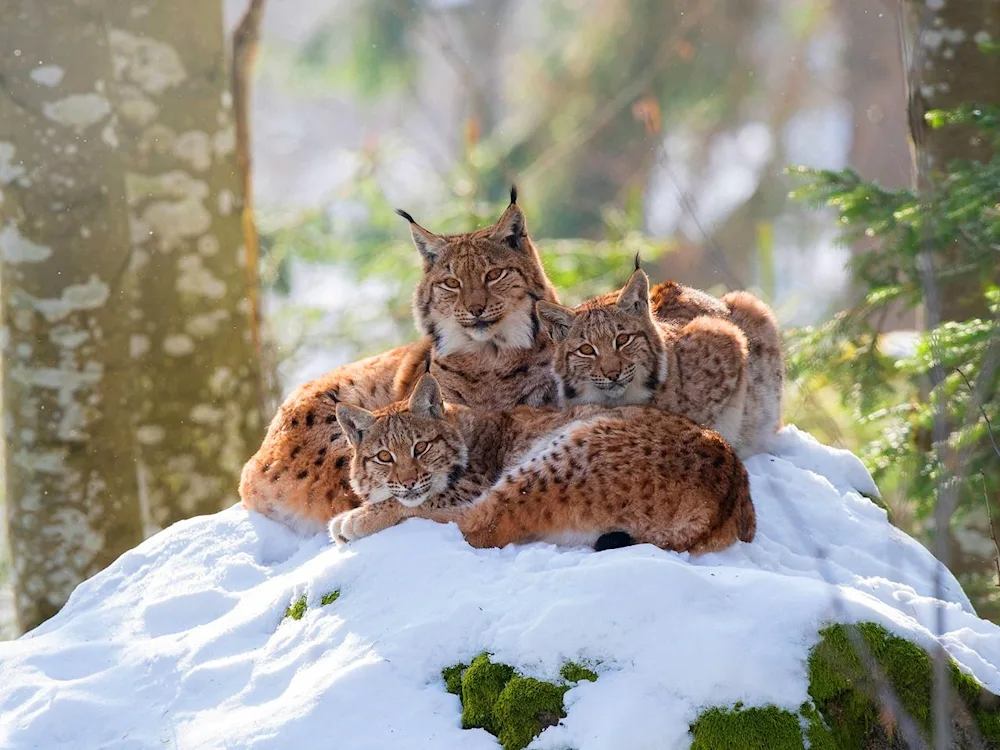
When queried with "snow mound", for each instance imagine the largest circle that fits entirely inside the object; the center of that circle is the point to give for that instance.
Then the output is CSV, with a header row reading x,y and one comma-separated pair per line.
x,y
183,642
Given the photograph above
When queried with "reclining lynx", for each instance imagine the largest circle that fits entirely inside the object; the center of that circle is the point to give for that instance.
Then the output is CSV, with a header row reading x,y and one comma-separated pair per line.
x,y
475,303
566,476
612,351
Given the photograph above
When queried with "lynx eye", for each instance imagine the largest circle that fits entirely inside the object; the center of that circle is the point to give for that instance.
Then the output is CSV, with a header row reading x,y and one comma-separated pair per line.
x,y
420,447
623,339
452,283
384,457
496,274
587,350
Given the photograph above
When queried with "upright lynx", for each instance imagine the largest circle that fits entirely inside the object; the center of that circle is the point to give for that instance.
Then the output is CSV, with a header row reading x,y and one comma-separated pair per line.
x,y
612,351
475,303
544,474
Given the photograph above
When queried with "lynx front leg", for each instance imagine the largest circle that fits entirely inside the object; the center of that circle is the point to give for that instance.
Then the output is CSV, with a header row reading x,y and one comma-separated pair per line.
x,y
367,520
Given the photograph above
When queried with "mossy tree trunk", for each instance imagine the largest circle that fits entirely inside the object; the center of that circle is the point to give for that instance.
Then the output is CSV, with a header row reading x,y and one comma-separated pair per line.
x,y
946,68
198,406
71,488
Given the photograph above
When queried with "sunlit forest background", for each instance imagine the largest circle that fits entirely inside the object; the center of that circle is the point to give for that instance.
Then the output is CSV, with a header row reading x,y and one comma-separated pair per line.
x,y
671,129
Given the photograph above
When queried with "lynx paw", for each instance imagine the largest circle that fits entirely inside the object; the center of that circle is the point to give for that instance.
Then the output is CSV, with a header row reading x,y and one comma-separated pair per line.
x,y
336,529
344,528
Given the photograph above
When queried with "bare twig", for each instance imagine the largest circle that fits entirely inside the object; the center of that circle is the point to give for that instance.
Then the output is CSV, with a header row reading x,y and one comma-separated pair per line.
x,y
977,402
993,536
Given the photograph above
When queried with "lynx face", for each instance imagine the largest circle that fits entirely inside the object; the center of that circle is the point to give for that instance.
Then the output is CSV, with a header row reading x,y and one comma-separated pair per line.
x,y
406,453
479,288
608,352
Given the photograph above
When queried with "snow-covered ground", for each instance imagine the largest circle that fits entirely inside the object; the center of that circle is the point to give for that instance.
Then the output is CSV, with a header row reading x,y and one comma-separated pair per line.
x,y
183,643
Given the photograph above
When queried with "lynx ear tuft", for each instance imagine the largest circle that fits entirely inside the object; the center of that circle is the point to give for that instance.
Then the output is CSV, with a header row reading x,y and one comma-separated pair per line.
x,y
513,194
426,401
554,319
428,244
354,421
634,298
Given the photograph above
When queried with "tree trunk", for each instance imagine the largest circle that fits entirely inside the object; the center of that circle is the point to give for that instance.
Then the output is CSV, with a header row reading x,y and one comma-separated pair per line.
x,y
198,414
71,487
945,68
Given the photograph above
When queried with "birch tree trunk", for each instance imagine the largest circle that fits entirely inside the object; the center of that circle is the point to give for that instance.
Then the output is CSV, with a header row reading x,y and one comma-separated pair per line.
x,y
71,489
945,68
198,413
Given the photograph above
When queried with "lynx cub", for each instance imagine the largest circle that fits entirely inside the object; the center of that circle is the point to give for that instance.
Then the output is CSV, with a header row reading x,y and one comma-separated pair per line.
x,y
476,305
765,369
615,353
544,474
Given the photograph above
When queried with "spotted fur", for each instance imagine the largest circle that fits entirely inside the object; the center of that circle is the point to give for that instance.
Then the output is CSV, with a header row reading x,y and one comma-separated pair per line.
x,y
563,476
679,305
613,352
481,342
476,301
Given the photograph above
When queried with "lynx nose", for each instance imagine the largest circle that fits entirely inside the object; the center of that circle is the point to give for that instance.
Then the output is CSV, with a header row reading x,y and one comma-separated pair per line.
x,y
476,310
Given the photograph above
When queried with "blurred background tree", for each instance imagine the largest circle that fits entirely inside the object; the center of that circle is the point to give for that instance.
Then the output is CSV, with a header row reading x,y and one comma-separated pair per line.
x,y
131,386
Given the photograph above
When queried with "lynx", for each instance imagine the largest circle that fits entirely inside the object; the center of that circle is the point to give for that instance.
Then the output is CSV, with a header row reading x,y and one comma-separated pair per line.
x,y
765,369
475,305
616,353
680,305
563,476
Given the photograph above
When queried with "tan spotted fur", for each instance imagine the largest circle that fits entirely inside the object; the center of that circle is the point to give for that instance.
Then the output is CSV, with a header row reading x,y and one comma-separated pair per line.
x,y
679,305
616,353
481,341
563,476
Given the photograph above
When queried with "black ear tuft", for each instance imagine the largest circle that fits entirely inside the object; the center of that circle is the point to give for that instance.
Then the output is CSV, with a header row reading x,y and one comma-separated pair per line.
x,y
427,362
513,194
638,262
405,215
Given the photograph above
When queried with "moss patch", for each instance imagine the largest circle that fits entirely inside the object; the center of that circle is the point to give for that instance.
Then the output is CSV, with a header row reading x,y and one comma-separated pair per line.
x,y
453,678
513,708
329,598
296,609
482,683
525,707
843,688
573,672
845,712
767,728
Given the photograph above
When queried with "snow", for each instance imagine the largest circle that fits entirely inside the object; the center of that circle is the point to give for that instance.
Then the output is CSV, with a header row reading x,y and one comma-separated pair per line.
x,y
182,642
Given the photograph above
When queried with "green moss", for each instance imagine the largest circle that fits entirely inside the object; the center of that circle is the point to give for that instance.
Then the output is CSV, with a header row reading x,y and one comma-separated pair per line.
x,y
330,597
512,708
843,689
767,728
880,503
453,678
482,683
573,672
296,609
525,707
845,713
